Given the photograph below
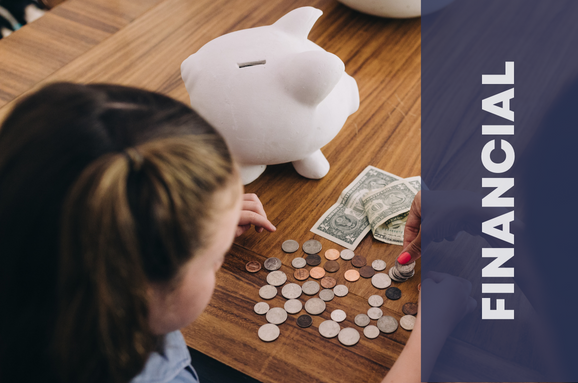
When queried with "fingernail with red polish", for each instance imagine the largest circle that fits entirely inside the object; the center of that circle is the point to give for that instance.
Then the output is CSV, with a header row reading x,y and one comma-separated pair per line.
x,y
404,258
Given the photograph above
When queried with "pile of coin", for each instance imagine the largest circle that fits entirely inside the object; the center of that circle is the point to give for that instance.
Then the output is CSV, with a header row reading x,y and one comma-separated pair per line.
x,y
401,273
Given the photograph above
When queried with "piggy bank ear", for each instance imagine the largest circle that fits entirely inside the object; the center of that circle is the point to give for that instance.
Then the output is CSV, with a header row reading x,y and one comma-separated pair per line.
x,y
299,21
310,76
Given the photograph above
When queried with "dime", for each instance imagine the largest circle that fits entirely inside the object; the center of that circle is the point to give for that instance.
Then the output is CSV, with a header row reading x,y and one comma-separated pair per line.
x,y
328,282
371,332
375,301
310,288
312,246
332,254
290,246
276,278
349,336
367,272
268,332
409,308
329,329
407,322
361,320
331,266
340,290
261,308
347,254
378,265
268,292
393,293
351,275
358,261
301,274
315,306
298,262
338,315
253,266
374,313
291,291
317,272
272,264
326,295
380,281
293,306
276,315
313,260
304,321
387,324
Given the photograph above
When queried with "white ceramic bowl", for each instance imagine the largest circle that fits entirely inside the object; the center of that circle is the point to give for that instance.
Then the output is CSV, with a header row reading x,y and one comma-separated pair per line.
x,y
398,9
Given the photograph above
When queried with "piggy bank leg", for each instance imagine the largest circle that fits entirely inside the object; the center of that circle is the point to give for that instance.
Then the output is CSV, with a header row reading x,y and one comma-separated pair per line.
x,y
250,173
315,166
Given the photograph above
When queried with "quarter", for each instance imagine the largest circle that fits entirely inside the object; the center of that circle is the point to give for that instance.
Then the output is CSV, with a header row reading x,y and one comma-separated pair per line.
x,y
310,288
329,329
387,324
315,306
276,315
293,306
381,281
349,336
291,291
276,278
268,292
268,332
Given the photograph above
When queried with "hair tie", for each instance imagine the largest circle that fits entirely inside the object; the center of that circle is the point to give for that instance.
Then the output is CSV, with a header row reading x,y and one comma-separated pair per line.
x,y
134,158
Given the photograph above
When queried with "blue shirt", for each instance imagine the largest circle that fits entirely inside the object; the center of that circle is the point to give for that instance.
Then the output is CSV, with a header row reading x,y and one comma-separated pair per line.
x,y
172,367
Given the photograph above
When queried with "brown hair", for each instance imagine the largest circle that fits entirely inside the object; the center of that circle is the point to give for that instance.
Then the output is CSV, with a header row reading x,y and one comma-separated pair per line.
x,y
104,189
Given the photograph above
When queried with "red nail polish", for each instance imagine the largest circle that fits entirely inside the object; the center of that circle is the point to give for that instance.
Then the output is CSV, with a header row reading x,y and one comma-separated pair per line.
x,y
404,258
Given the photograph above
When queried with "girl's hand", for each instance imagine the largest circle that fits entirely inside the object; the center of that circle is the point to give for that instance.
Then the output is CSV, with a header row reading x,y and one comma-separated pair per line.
x,y
252,213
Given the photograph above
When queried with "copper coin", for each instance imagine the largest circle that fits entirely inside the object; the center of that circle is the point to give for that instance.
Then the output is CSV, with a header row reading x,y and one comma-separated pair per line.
x,y
331,266
409,308
253,266
304,321
352,275
358,261
313,260
317,272
328,282
301,274
332,254
393,293
366,272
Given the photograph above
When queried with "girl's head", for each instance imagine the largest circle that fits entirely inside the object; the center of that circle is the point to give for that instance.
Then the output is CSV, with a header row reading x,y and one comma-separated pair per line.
x,y
117,206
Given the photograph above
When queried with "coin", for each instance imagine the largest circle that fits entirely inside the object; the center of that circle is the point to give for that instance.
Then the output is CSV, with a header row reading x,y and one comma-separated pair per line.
x,y
301,274
276,278
340,290
405,269
331,266
328,282
348,336
261,308
329,329
375,301
268,292
366,272
407,322
304,321
358,261
291,291
276,315
371,332
298,262
312,246
290,246
332,254
381,281
361,320
272,264
374,313
378,265
387,324
393,293
313,260
310,288
253,266
268,332
293,306
393,276
315,306
351,275
347,254
338,315
317,272
326,295
409,308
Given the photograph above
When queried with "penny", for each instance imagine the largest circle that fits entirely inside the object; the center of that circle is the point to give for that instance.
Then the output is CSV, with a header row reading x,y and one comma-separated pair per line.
x,y
312,246
351,275
371,332
315,306
304,321
381,281
310,288
276,315
361,320
358,261
378,265
375,301
317,272
328,282
409,308
393,293
332,254
261,308
276,278
340,290
290,246
253,266
331,266
347,254
272,264
301,274
268,292
291,291
348,336
407,322
367,272
387,324
329,329
293,306
326,295
313,260
338,315
374,313
298,262
268,332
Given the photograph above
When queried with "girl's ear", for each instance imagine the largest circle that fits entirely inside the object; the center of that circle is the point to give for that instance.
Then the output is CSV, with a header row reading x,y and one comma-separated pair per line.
x,y
299,21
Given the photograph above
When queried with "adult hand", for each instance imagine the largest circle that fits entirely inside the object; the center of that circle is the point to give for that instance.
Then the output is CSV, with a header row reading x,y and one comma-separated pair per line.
x,y
412,233
253,213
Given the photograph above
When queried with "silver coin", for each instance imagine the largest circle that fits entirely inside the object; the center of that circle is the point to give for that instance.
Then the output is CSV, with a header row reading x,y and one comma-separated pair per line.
x,y
310,288
375,301
338,315
268,332
268,292
298,263
361,320
272,264
371,332
312,246
378,265
405,269
348,336
315,306
394,277
407,322
347,254
276,278
387,324
290,246
329,329
276,315
293,306
374,313
326,294
291,291
261,308
381,281
340,290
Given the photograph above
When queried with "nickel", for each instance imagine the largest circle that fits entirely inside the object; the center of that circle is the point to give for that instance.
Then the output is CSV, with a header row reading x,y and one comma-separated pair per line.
x,y
290,246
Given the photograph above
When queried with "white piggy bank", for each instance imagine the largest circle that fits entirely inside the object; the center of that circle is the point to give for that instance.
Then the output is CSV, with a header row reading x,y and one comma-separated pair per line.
x,y
274,95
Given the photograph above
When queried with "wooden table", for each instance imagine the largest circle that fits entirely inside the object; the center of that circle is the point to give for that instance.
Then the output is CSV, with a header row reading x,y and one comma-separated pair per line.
x,y
143,42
